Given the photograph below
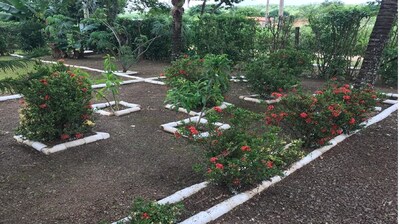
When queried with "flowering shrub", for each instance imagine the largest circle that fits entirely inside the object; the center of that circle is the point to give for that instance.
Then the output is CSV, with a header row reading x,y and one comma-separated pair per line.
x,y
196,82
56,104
279,71
245,154
146,212
317,118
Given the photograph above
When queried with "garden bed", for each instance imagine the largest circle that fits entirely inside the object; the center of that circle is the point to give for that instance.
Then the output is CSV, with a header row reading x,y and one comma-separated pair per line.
x,y
98,182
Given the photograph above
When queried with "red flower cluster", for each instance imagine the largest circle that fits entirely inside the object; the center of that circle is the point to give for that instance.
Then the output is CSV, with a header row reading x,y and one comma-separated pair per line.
x,y
245,148
145,215
213,159
193,130
43,105
64,137
219,166
276,95
303,115
78,135
44,82
217,109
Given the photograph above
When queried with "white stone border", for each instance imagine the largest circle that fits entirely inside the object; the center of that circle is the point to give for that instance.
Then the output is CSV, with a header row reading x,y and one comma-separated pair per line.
x,y
174,198
131,108
63,146
172,126
223,106
252,98
10,97
241,78
224,207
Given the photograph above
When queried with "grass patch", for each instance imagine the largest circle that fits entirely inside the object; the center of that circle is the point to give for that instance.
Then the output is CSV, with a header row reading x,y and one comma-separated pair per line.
x,y
14,73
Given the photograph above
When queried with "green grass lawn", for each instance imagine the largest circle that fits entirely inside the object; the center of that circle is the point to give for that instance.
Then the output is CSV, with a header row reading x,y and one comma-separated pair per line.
x,y
13,73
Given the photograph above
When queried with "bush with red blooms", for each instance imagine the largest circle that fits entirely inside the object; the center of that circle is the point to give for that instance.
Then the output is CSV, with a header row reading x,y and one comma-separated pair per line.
x,y
56,104
247,153
317,118
147,212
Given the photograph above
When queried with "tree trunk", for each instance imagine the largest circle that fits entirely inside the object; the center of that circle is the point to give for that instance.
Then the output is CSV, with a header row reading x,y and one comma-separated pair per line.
x,y
177,12
377,41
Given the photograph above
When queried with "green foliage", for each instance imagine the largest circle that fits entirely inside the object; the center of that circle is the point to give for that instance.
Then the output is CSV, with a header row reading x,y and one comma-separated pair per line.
x,y
224,34
248,11
336,31
389,64
8,42
198,82
278,72
316,119
30,35
245,154
111,80
275,35
147,212
64,36
56,103
151,27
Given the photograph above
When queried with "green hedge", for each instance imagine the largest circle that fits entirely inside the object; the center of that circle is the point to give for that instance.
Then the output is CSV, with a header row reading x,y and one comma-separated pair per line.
x,y
224,34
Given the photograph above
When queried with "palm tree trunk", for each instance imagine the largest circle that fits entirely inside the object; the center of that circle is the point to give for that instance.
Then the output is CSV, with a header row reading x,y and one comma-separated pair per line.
x,y
377,41
177,13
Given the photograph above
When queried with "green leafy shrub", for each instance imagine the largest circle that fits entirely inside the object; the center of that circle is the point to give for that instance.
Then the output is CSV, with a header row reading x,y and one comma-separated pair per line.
x,y
317,118
198,82
225,34
336,30
389,62
278,72
147,212
31,35
245,154
8,42
56,104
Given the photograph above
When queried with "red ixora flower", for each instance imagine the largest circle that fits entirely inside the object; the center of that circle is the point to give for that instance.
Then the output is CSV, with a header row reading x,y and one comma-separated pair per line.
x,y
318,92
84,90
352,121
270,164
219,166
64,137
213,159
217,109
47,97
303,115
193,130
182,72
245,148
346,97
44,82
347,86
78,135
145,215
43,105
271,107
276,95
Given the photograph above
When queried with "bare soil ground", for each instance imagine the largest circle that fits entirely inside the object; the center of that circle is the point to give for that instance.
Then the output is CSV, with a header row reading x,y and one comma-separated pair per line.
x,y
98,182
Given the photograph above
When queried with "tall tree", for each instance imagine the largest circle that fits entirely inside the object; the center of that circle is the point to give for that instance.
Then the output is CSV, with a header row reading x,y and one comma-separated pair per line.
x,y
177,13
377,41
